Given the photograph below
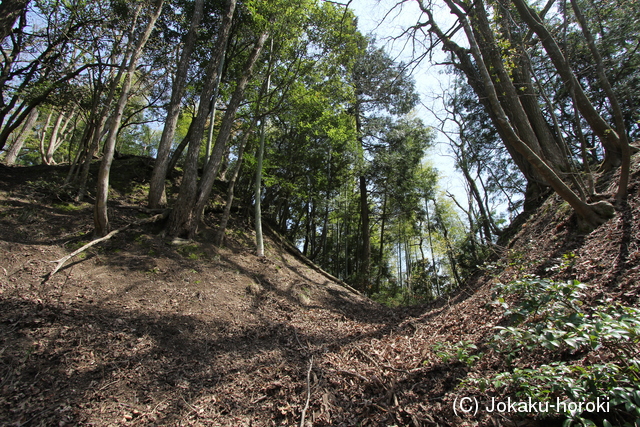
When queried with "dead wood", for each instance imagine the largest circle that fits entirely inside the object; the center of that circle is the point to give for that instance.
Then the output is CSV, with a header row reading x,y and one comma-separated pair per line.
x,y
306,405
60,262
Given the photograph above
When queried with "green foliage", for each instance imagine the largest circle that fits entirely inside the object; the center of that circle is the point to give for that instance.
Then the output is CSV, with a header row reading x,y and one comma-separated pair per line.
x,y
550,319
393,295
70,207
192,251
463,352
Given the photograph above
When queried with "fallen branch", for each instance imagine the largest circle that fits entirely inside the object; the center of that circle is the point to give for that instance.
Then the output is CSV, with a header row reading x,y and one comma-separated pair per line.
x,y
353,374
60,262
306,405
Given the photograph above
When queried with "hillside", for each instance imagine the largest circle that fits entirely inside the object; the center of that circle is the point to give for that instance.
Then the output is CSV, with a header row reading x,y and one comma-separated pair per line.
x,y
142,331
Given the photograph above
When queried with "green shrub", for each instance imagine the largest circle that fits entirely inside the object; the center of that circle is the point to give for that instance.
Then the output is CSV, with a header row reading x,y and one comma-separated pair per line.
x,y
461,352
551,319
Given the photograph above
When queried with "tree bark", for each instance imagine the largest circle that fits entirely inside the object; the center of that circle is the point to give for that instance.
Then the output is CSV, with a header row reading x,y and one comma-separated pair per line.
x,y
608,136
157,196
43,135
13,152
97,121
57,137
260,158
183,218
623,182
593,215
535,181
100,216
219,239
10,10
211,170
365,255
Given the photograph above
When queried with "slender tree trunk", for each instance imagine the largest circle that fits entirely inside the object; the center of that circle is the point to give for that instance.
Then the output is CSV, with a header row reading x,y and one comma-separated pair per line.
x,y
100,217
258,181
98,123
212,115
593,215
177,153
57,136
615,105
258,192
381,247
183,218
433,257
608,137
43,137
47,156
12,155
211,171
219,240
536,182
157,196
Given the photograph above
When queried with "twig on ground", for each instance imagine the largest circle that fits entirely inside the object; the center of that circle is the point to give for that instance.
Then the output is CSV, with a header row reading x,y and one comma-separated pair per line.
x,y
306,405
353,374
372,360
295,333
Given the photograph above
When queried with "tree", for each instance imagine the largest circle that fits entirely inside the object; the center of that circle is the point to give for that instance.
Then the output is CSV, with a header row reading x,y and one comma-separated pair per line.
x,y
40,64
487,72
157,195
379,85
10,10
100,217
184,219
13,152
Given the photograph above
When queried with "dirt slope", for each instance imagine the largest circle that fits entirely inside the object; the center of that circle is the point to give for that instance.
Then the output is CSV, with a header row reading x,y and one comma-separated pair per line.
x,y
140,331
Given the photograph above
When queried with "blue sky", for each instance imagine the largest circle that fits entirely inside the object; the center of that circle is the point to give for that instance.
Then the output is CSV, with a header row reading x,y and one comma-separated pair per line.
x,y
386,22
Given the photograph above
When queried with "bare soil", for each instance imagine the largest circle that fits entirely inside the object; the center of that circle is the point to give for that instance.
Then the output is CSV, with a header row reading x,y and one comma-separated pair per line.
x,y
143,331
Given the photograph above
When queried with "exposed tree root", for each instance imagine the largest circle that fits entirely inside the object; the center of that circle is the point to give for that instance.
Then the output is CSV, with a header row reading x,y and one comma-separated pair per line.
x,y
60,262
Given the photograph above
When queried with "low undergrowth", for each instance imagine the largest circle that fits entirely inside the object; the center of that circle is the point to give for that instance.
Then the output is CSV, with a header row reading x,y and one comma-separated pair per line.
x,y
577,361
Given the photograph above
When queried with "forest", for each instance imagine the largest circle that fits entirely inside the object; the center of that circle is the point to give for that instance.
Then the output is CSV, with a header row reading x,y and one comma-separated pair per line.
x,y
284,122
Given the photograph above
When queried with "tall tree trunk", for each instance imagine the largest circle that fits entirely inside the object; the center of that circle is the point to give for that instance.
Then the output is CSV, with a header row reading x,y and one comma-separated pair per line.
x,y
535,181
381,247
43,136
365,257
591,214
100,216
212,114
608,136
258,181
183,218
157,196
177,153
433,257
211,170
47,156
98,120
615,105
219,239
57,136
